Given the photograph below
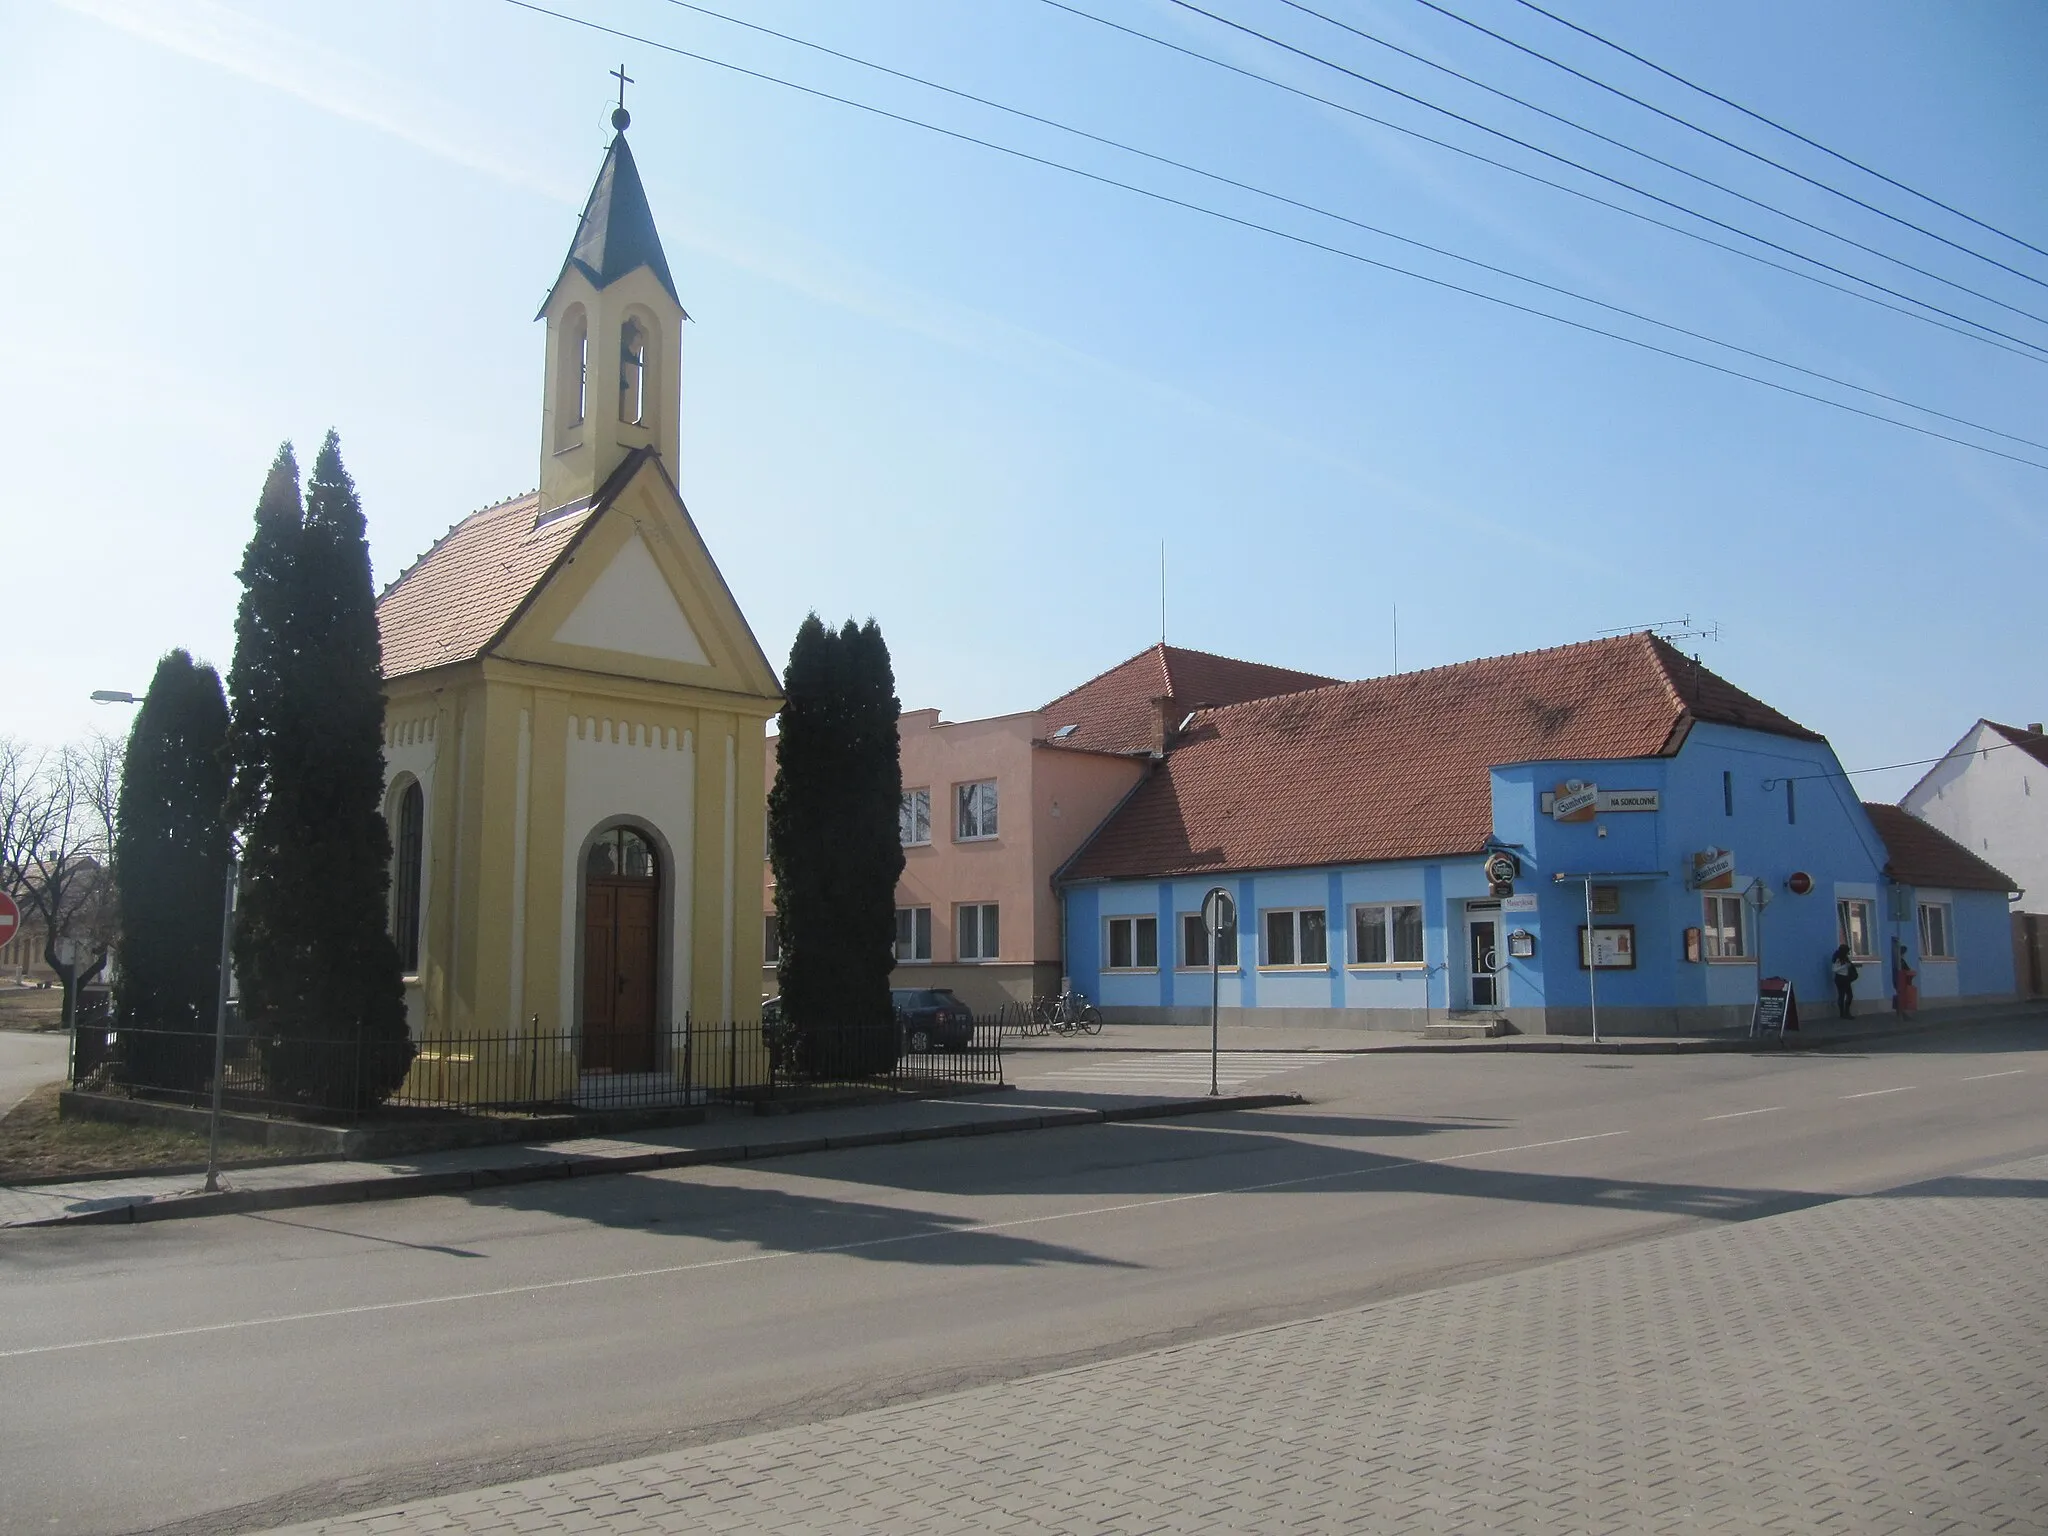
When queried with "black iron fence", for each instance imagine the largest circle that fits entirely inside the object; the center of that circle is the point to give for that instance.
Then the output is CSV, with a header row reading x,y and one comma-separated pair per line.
x,y
695,1062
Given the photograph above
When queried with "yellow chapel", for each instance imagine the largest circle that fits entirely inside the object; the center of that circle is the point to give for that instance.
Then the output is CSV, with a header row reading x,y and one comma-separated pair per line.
x,y
575,714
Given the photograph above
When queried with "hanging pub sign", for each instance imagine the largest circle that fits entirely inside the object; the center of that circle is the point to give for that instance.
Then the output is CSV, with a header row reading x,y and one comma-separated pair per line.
x,y
1575,800
1502,867
1713,869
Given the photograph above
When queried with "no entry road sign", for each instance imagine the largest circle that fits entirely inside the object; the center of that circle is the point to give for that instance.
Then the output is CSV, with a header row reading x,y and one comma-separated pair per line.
x,y
10,917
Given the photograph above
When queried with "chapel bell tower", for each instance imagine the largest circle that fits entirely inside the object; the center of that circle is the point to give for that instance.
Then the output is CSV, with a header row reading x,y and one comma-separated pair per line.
x,y
615,332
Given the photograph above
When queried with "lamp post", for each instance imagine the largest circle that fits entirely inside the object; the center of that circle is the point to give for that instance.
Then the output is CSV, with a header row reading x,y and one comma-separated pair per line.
x,y
1592,964
1217,910
220,1024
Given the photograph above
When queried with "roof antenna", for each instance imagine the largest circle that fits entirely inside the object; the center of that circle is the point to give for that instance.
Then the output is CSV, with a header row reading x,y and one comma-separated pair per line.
x,y
620,116
1162,592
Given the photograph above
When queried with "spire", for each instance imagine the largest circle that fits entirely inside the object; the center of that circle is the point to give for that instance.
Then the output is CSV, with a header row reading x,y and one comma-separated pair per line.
x,y
616,234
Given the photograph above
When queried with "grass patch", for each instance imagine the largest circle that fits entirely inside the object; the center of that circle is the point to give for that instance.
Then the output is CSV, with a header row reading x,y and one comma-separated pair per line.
x,y
35,1143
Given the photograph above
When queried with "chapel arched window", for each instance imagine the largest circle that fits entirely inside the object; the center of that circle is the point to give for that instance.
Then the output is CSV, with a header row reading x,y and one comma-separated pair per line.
x,y
407,868
622,853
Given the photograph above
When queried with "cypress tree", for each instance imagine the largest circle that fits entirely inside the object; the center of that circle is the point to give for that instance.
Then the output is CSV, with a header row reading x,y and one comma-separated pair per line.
x,y
318,968
171,864
835,850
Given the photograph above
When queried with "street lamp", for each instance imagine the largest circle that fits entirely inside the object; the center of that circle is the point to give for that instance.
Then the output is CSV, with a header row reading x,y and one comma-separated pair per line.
x,y
114,696
1218,912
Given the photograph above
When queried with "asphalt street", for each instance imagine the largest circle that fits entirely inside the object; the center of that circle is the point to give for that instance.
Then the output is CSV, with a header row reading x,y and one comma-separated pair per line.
x,y
236,1373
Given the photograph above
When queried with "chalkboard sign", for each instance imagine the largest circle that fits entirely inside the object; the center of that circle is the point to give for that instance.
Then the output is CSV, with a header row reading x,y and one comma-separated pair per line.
x,y
1777,1007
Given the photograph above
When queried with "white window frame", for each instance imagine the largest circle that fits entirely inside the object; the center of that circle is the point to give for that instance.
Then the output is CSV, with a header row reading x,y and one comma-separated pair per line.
x,y
1947,949
1297,929
982,950
972,807
1714,906
1845,930
1136,923
916,808
920,935
1190,925
1386,910
771,940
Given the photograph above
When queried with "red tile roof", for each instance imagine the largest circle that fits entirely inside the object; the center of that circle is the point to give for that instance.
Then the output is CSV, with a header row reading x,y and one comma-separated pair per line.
x,y
457,600
1114,711
2033,743
1917,854
1397,767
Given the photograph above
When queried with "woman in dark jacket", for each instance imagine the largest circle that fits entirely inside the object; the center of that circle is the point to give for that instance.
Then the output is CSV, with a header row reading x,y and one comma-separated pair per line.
x,y
1843,970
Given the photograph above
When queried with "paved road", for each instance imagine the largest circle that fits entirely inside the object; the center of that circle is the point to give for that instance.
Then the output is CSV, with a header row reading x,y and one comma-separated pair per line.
x,y
237,1373
1791,1373
27,1061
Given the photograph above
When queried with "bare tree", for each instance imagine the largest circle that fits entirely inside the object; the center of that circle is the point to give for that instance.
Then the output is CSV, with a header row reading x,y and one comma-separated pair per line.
x,y
57,813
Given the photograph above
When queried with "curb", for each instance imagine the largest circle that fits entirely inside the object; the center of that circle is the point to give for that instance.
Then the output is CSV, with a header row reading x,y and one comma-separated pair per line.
x,y
406,1185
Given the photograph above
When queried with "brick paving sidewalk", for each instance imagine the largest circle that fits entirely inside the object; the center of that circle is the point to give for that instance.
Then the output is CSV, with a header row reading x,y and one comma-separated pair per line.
x,y
1871,1365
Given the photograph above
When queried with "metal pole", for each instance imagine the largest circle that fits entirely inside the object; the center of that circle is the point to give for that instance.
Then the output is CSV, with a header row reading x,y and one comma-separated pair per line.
x,y
220,1030
1214,1047
1592,964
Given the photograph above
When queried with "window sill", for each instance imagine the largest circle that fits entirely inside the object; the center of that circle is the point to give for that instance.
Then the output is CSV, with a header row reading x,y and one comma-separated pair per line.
x,y
1130,970
1937,959
1711,960
1390,965
985,837
925,844
1203,970
924,960
1297,970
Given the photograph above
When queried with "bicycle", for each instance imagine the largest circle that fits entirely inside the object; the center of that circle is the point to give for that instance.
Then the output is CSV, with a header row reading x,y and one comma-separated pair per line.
x,y
1073,1014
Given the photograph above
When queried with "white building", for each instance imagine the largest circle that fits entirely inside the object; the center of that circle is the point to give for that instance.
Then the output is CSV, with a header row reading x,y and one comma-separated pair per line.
x,y
1990,793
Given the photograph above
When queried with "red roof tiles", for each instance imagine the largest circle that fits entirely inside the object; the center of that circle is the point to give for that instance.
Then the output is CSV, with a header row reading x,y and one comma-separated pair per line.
x,y
1918,854
456,601
1397,767
1115,711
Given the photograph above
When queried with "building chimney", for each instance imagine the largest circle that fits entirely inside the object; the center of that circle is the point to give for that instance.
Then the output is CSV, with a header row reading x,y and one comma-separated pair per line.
x,y
1167,715
2035,727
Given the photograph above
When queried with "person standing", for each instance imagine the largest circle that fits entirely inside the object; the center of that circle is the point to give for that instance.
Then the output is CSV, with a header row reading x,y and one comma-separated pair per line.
x,y
1843,970
1905,981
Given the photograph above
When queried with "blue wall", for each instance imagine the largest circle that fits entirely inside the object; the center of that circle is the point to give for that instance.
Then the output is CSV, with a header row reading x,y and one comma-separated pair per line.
x,y
1725,789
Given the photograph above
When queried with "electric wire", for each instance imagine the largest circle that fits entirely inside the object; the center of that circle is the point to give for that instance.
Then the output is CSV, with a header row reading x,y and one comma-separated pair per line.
x,y
1316,58
1293,202
1267,229
2031,351
1683,122
1769,122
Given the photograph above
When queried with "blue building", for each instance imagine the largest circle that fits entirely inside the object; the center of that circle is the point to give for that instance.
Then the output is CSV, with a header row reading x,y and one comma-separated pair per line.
x,y
1462,841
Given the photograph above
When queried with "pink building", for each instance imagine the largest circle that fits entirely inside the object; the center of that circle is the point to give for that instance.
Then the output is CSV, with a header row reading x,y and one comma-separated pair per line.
x,y
993,808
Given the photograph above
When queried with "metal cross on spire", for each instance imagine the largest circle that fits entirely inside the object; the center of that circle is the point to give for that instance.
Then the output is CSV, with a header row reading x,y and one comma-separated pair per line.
x,y
620,116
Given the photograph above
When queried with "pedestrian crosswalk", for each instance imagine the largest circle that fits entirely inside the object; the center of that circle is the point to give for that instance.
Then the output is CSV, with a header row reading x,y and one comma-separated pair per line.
x,y
1173,1069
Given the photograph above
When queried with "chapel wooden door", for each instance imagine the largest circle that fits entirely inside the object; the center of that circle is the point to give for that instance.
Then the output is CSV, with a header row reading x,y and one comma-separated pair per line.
x,y
621,911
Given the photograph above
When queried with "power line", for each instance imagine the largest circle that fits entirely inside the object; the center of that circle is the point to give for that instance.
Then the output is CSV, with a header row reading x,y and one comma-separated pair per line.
x,y
1374,229
1922,762
1744,149
1313,57
1267,229
1794,133
1974,330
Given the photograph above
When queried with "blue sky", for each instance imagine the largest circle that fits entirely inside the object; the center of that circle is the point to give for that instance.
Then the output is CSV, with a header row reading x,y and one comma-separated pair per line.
x,y
971,396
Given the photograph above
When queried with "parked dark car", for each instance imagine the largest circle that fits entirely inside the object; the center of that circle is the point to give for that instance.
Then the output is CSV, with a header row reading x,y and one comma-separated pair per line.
x,y
932,1019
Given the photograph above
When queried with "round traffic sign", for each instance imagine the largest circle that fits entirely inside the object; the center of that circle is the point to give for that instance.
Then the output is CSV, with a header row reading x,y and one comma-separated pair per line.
x,y
10,917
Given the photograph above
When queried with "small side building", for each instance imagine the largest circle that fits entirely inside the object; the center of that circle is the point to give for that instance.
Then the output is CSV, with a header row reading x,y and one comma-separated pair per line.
x,y
1473,840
